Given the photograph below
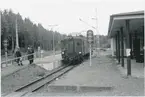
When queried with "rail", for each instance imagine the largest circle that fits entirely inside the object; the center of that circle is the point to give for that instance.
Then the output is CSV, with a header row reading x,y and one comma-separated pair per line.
x,y
24,57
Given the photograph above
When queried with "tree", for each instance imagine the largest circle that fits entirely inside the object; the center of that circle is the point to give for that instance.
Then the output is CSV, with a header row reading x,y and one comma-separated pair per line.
x,y
28,32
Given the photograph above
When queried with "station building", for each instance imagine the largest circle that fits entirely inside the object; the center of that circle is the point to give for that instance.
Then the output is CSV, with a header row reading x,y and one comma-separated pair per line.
x,y
126,31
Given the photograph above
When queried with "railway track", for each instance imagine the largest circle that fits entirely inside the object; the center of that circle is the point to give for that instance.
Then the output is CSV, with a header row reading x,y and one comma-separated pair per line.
x,y
48,78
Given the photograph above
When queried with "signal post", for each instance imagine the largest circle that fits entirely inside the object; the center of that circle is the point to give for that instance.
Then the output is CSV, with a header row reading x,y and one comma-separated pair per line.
x,y
90,41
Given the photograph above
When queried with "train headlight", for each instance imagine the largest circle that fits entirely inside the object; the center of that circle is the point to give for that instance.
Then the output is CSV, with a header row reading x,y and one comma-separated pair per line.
x,y
62,52
80,52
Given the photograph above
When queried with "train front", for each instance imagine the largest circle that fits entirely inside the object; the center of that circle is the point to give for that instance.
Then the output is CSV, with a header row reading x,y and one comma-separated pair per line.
x,y
67,49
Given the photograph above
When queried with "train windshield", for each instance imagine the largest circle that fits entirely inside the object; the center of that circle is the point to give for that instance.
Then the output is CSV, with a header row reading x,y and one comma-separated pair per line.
x,y
67,45
63,43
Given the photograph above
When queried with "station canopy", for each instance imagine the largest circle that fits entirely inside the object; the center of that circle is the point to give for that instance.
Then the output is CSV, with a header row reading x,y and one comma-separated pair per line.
x,y
136,22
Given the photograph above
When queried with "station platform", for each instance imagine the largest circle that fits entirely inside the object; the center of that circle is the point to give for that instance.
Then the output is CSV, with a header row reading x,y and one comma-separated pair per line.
x,y
137,69
102,78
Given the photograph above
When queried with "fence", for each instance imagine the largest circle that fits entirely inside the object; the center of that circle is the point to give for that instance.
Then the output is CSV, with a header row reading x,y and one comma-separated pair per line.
x,y
25,57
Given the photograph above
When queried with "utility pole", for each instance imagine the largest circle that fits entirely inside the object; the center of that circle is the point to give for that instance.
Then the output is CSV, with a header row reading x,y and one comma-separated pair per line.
x,y
5,42
17,39
53,42
96,29
0,22
90,55
0,26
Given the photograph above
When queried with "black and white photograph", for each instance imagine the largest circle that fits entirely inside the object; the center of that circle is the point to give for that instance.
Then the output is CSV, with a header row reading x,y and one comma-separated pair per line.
x,y
72,48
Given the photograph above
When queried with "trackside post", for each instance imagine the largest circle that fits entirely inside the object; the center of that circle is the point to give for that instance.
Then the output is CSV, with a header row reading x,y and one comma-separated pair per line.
x,y
90,40
90,55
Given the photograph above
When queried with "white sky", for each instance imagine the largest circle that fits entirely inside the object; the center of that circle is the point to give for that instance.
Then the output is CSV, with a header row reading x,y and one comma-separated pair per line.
x,y
66,13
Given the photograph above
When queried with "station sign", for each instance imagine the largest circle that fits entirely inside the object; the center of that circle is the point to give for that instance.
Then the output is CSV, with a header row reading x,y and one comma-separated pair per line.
x,y
90,36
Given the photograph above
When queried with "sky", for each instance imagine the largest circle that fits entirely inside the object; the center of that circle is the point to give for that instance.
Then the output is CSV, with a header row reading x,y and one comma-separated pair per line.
x,y
67,13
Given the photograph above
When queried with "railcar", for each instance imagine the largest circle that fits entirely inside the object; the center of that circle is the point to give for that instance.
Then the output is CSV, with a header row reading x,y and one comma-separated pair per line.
x,y
74,49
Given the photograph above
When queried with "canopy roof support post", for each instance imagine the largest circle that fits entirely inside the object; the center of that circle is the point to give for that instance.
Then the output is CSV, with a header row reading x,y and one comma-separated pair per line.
x,y
118,46
122,46
128,48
